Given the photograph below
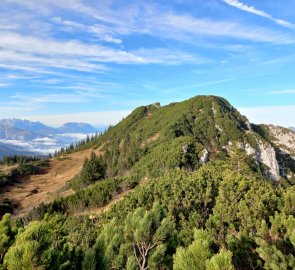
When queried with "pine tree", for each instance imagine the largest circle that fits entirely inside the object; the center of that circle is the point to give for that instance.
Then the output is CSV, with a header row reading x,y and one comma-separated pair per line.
x,y
6,235
146,231
220,261
273,258
93,170
89,261
33,248
140,243
194,257
198,255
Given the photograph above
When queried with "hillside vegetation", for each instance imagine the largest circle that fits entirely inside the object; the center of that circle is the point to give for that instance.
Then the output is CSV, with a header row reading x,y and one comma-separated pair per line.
x,y
185,186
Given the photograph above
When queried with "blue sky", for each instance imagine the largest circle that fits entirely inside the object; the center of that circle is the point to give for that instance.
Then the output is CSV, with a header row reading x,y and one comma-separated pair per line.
x,y
95,61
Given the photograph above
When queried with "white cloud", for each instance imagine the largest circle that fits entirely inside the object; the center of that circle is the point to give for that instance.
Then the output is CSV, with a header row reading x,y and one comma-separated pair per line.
x,y
18,56
27,52
112,39
155,19
41,146
185,25
277,115
45,141
150,19
63,48
102,32
251,9
160,56
73,136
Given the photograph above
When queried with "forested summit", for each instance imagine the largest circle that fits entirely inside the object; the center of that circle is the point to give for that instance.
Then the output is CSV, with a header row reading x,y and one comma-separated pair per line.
x,y
155,138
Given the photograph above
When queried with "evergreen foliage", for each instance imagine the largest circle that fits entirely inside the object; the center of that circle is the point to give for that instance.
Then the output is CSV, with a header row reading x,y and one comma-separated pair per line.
x,y
138,244
7,234
92,171
15,159
198,256
239,218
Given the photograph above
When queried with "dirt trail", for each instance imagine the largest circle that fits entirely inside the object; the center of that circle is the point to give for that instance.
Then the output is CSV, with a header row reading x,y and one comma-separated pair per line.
x,y
105,208
45,187
94,212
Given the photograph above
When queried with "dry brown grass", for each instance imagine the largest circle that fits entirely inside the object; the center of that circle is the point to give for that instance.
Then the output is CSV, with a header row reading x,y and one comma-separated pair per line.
x,y
45,187
5,169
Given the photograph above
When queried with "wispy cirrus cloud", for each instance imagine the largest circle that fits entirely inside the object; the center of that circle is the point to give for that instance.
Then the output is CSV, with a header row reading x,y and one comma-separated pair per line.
x,y
185,25
253,10
149,18
30,52
102,32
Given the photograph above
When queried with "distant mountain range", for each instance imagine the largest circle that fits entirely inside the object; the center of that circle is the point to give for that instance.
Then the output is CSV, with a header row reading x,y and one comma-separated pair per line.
x,y
292,128
26,137
16,129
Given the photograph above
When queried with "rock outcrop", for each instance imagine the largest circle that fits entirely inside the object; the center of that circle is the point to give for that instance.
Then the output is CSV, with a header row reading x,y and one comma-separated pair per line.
x,y
283,138
205,157
267,156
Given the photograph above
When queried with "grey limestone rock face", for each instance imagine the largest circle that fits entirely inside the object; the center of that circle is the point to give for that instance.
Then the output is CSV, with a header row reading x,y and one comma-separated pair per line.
x,y
284,138
267,155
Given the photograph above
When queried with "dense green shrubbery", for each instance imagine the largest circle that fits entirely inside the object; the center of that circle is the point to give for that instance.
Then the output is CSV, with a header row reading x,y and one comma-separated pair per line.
x,y
25,169
178,153
244,220
15,159
93,197
241,216
93,170
53,243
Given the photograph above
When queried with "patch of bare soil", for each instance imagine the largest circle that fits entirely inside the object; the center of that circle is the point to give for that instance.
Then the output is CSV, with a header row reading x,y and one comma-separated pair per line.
x,y
93,213
36,189
151,139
